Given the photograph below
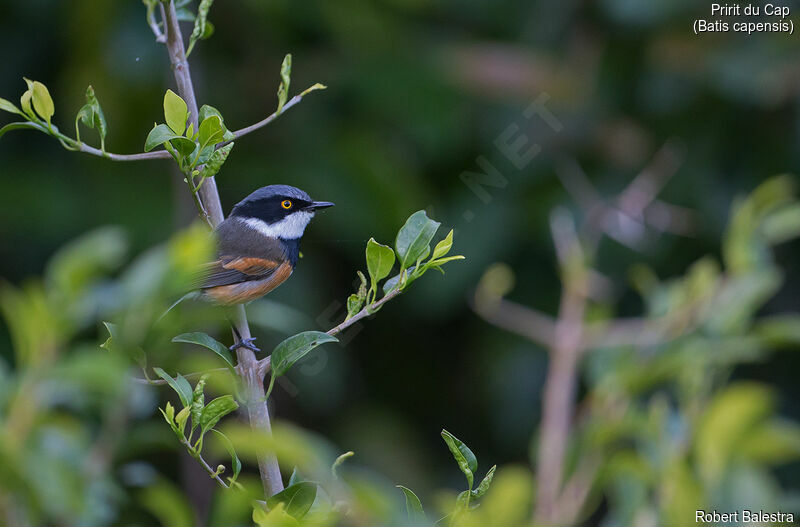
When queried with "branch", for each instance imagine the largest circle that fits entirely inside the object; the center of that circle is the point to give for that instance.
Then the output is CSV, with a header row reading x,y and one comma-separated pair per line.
x,y
264,364
257,411
626,217
161,38
264,122
163,154
560,386
158,154
195,454
154,382
522,320
576,491
367,311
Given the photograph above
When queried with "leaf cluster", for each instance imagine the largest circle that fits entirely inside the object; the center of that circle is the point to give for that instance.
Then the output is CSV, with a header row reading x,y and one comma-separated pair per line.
x,y
411,248
200,416
468,463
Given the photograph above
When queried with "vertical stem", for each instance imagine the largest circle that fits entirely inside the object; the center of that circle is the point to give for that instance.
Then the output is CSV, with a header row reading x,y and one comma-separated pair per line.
x,y
256,404
558,402
257,409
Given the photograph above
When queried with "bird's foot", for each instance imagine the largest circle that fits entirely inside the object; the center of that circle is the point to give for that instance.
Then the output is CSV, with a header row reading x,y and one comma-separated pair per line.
x,y
245,343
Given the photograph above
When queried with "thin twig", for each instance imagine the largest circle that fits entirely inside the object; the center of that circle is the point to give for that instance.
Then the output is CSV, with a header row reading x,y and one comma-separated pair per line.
x,y
641,192
206,466
158,154
154,382
264,364
367,311
161,38
264,122
626,217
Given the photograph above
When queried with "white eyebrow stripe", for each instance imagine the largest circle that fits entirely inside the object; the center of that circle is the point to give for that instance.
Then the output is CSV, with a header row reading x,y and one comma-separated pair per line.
x,y
289,228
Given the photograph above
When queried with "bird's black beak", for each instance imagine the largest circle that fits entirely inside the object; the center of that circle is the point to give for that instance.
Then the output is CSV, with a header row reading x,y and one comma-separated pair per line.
x,y
315,205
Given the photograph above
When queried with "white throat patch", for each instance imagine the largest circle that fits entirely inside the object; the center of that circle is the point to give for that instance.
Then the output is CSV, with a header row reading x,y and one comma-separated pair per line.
x,y
289,228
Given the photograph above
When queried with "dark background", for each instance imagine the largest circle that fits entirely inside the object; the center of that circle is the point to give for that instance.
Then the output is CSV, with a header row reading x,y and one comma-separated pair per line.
x,y
417,90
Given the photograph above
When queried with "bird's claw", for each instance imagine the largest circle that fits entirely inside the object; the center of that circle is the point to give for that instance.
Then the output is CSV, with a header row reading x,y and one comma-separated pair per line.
x,y
245,343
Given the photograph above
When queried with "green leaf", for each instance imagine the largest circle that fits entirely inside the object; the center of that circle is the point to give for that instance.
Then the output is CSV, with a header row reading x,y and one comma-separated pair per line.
x,y
169,413
8,106
295,477
162,134
354,305
466,460
112,336
185,147
462,505
19,126
42,102
443,247
297,498
216,410
779,330
210,131
209,31
291,350
201,339
380,260
198,401
236,463
283,89
338,463
215,162
175,112
179,384
169,416
91,115
413,506
25,103
181,418
774,442
732,416
202,28
315,87
356,301
485,483
159,135
782,225
437,264
394,282
414,238
441,261
276,517
207,111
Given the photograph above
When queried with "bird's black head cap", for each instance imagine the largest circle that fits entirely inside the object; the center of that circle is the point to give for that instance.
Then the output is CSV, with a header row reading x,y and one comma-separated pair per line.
x,y
273,203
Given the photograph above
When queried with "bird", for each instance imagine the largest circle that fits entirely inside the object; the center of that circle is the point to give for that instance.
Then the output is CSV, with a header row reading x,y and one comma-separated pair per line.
x,y
258,245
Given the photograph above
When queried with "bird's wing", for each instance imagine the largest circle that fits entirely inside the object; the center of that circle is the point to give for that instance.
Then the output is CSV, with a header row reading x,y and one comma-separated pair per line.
x,y
227,271
244,255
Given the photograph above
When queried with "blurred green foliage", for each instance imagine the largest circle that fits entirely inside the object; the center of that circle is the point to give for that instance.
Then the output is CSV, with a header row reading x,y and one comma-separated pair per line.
x,y
663,430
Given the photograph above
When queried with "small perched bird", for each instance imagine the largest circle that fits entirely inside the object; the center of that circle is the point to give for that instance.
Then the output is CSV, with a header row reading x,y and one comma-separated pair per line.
x,y
258,244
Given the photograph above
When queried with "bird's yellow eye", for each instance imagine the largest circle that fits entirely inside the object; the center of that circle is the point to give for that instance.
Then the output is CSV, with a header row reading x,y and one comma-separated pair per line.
x,y
286,204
